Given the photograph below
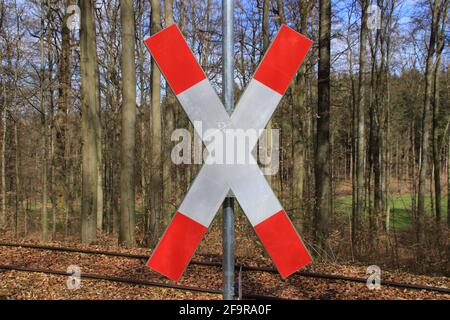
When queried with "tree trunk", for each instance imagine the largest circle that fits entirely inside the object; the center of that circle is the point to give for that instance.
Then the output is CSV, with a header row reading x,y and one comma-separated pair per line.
x,y
281,14
62,145
360,130
322,152
4,136
98,137
265,47
436,138
156,182
376,106
18,190
100,198
128,158
51,144
448,179
169,127
387,136
89,122
436,146
52,167
299,109
143,114
168,12
426,117
44,217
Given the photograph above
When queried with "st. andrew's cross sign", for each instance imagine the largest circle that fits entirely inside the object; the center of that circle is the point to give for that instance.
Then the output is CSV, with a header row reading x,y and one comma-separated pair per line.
x,y
253,111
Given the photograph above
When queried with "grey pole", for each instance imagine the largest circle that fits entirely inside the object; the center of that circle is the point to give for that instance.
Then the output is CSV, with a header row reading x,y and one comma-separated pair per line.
x,y
228,97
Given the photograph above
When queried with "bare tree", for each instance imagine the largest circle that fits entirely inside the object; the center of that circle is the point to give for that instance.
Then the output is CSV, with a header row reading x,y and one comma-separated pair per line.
x,y
156,184
4,118
299,110
168,127
62,147
44,217
265,47
426,121
448,178
128,158
4,135
358,202
436,138
322,150
89,122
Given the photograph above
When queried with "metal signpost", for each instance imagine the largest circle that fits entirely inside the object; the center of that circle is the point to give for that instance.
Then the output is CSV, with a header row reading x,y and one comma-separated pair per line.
x,y
215,179
228,99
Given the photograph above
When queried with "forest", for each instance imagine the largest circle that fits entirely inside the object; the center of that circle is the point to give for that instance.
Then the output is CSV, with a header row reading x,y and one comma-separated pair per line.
x,y
363,161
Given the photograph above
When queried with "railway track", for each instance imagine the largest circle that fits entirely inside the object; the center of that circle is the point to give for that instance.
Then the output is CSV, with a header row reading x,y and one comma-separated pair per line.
x,y
331,277
133,281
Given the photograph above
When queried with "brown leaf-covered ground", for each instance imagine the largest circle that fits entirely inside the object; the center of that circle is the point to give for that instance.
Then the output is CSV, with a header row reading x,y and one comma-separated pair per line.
x,y
25,285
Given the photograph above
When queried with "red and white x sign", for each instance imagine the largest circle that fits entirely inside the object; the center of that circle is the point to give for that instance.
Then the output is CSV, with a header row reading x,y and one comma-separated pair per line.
x,y
212,184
